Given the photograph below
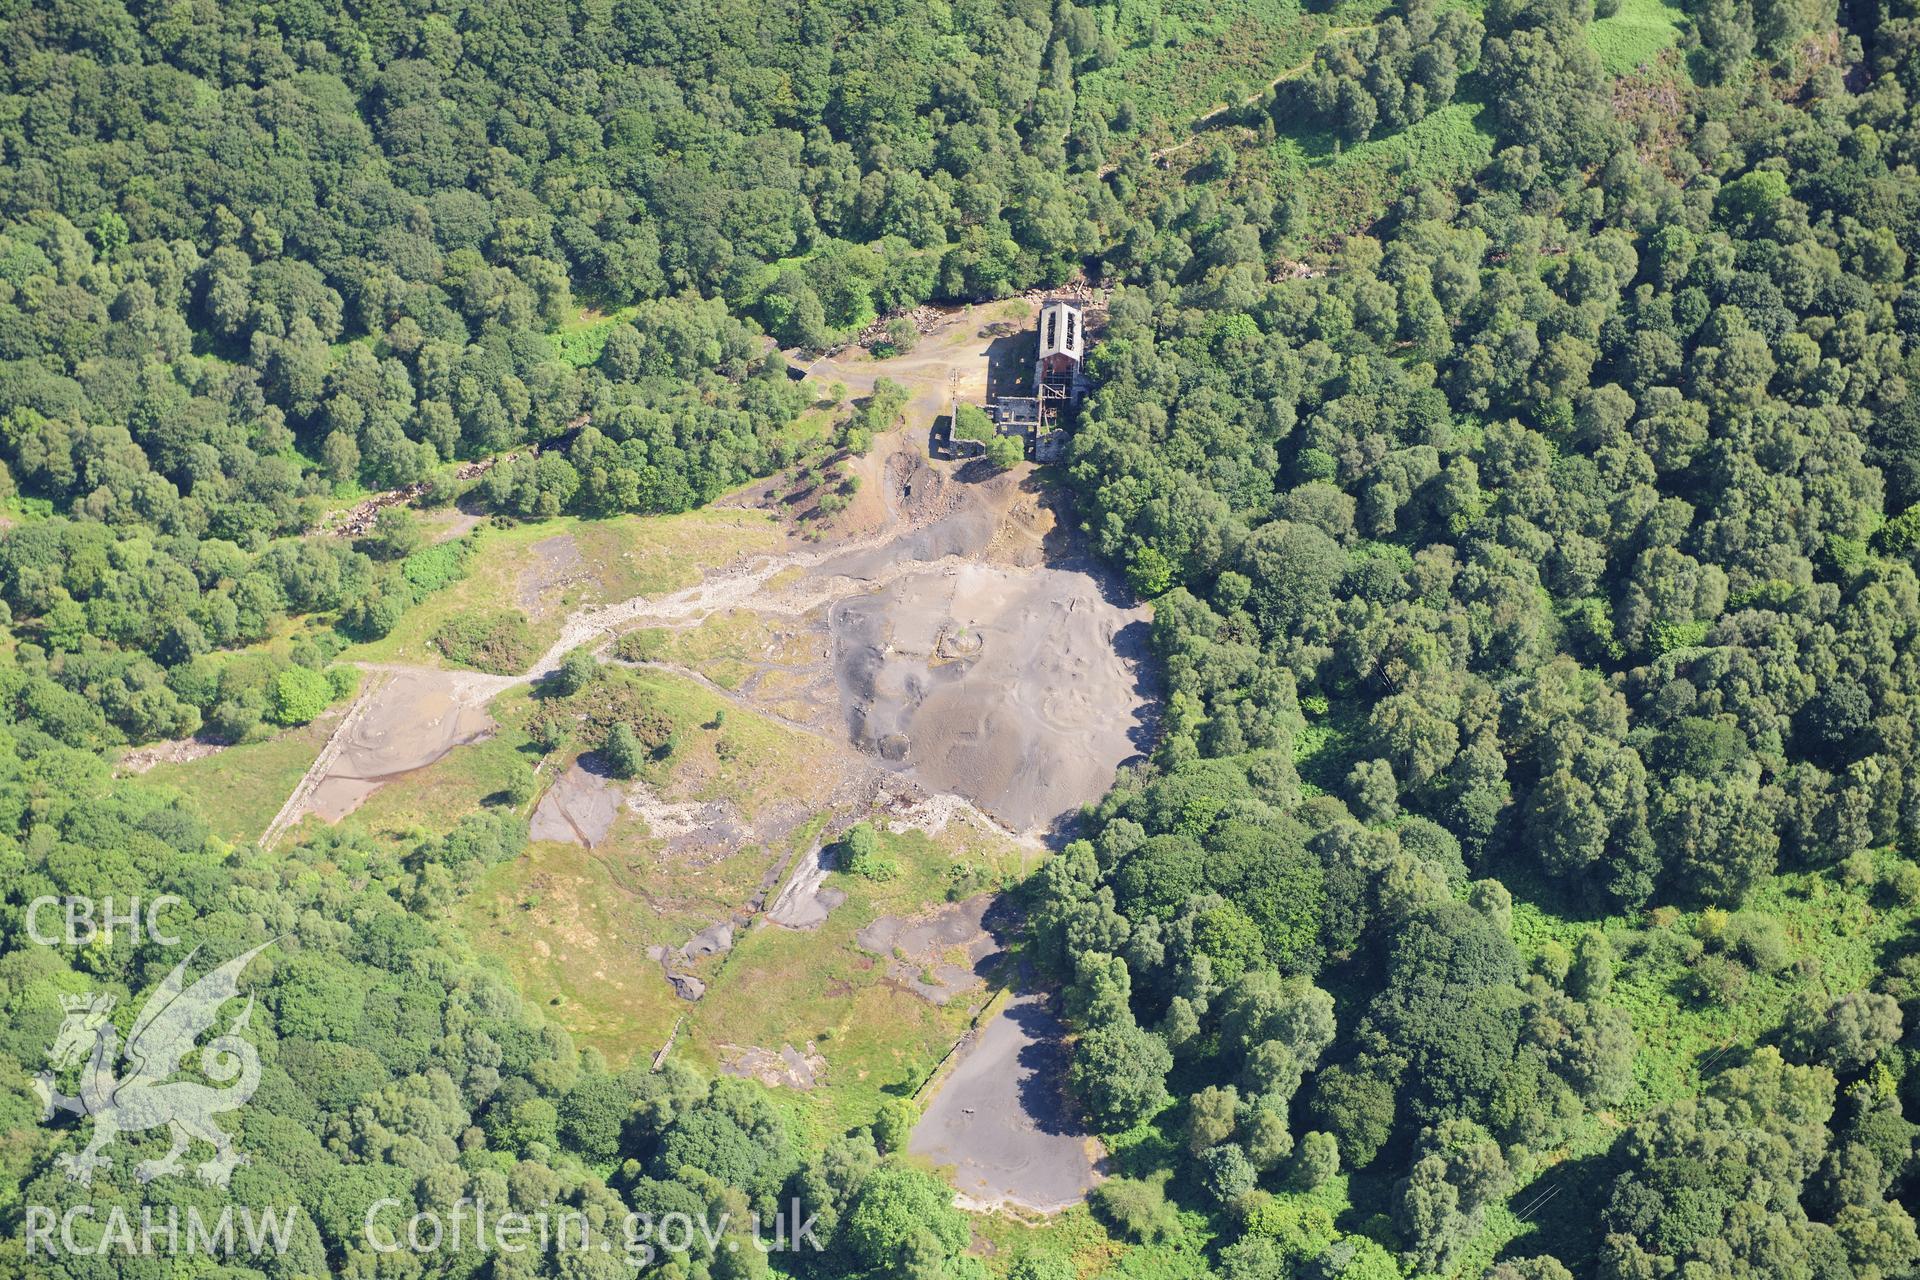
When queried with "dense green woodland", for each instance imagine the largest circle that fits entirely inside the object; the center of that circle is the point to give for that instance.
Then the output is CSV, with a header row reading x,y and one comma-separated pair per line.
x,y
1534,580
1559,540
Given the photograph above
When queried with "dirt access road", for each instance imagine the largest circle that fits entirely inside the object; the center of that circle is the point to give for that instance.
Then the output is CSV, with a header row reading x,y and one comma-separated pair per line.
x,y
960,356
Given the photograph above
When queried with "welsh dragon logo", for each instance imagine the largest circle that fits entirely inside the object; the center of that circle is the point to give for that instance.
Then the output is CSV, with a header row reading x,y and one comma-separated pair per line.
x,y
166,1032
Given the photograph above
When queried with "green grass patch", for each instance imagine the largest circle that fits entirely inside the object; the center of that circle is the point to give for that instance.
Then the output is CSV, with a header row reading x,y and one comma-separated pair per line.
x,y
20,509
1343,189
727,648
1076,1237
437,797
576,923
1823,936
561,923
240,789
581,342
813,425
740,757
1835,935
1330,745
1179,61
647,555
1637,35
431,568
336,351
494,565
619,558
880,1039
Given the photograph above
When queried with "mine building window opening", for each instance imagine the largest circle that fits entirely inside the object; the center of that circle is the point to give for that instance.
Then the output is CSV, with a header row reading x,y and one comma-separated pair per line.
x,y
1053,320
1073,332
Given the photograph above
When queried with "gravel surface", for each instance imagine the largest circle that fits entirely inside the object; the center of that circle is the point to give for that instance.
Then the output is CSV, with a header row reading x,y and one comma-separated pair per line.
x,y
1002,1119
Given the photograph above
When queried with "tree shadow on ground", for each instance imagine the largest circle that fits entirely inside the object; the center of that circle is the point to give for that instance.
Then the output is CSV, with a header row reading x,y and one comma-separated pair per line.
x,y
1560,1211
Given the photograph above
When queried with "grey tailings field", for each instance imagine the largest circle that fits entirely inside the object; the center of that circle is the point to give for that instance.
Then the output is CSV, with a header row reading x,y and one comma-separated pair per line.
x,y
1003,1119
953,640
1014,688
579,807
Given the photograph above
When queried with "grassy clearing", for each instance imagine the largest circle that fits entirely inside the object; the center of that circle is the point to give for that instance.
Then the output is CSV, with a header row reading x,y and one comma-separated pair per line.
x,y
646,555
726,648
577,922
726,752
18,509
1836,939
1330,745
1177,62
1342,190
493,572
1075,1237
435,798
782,987
617,558
241,788
722,649
560,924
879,1039
494,640
580,342
439,524
1824,936
753,767
814,424
1635,36
1079,1238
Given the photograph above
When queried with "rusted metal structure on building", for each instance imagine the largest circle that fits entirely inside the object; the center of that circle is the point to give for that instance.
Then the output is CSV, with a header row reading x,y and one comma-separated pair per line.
x,y
1059,381
1059,377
